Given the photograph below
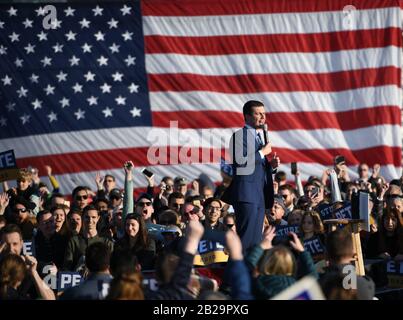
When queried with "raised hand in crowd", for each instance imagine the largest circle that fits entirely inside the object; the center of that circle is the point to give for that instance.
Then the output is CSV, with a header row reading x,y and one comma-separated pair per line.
x,y
48,170
376,170
275,187
99,180
4,200
268,236
296,243
128,168
275,161
381,190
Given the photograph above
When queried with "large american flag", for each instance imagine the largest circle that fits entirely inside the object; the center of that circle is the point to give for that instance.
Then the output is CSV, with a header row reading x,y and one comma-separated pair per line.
x,y
105,82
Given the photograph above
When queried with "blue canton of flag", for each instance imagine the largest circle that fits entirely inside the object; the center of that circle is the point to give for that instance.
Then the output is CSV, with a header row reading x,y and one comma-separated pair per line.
x,y
87,71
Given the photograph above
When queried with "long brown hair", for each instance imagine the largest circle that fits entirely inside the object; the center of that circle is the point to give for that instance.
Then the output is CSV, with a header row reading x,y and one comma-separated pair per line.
x,y
12,271
127,286
141,237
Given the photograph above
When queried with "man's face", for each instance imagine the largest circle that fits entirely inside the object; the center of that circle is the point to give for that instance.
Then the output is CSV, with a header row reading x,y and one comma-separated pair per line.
x,y
287,196
389,223
277,211
363,171
47,224
102,206
177,204
214,212
21,213
109,183
57,201
145,208
13,243
116,201
397,203
23,184
182,188
257,118
91,219
169,187
82,198
59,217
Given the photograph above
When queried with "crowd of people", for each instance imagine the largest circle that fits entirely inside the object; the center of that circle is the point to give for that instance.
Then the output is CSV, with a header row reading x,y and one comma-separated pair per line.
x,y
108,236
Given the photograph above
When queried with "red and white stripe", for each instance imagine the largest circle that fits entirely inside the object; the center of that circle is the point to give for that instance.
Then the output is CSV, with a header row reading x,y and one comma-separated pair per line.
x,y
328,90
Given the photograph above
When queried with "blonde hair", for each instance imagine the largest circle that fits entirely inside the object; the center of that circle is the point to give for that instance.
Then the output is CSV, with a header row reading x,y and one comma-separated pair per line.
x,y
277,261
317,222
24,174
126,287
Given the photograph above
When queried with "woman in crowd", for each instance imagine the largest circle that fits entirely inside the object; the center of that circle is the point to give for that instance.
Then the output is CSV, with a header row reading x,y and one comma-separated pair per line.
x,y
74,222
387,240
274,269
136,239
59,215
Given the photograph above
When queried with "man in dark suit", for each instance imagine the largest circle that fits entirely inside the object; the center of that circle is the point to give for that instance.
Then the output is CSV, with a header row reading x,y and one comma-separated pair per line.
x,y
251,190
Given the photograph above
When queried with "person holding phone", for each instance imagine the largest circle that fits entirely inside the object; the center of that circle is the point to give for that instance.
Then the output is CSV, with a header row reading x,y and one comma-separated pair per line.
x,y
251,190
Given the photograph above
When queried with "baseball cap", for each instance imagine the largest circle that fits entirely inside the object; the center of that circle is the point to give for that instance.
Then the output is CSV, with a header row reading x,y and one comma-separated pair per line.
x,y
115,193
180,181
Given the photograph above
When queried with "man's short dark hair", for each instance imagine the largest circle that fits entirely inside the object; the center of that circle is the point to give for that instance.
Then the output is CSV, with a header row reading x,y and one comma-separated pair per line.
x,y
78,189
11,228
339,245
123,262
110,176
247,107
175,195
41,214
288,187
280,176
88,208
97,257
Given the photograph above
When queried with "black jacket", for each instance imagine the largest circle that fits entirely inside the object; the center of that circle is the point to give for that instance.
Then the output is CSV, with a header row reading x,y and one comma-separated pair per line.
x,y
50,250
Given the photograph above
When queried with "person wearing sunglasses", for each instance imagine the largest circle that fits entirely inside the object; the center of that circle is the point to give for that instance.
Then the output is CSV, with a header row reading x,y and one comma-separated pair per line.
x,y
80,197
229,222
22,217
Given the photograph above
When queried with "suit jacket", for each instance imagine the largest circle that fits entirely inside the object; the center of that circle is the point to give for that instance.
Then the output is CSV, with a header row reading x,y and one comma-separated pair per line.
x,y
252,181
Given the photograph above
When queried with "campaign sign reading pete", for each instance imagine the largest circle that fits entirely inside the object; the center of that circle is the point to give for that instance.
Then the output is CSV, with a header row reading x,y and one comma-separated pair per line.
x,y
8,166
209,252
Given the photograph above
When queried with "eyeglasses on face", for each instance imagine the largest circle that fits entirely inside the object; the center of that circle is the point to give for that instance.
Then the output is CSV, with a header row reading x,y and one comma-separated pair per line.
x,y
78,198
211,208
230,225
143,204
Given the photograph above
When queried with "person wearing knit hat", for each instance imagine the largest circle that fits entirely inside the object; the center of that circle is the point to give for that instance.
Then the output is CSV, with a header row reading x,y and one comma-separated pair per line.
x,y
277,211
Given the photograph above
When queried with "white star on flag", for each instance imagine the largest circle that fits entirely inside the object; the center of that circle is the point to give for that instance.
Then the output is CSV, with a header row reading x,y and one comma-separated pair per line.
x,y
89,76
135,112
46,61
22,92
99,36
3,121
52,117
10,107
12,12
80,114
114,48
117,76
71,35
29,48
61,76
69,12
25,118
86,48
6,80
125,10
65,102
102,61
18,62
120,100
92,100
74,61
133,88
84,23
14,37
98,11
40,11
42,36
49,90
58,47
106,88
37,104
127,35
113,23
130,60
3,50
27,23
34,78
77,88
107,112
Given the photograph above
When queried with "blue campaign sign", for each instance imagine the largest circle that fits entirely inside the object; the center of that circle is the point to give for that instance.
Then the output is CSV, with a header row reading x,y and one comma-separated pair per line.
x,y
67,280
343,213
8,166
28,248
283,231
325,211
